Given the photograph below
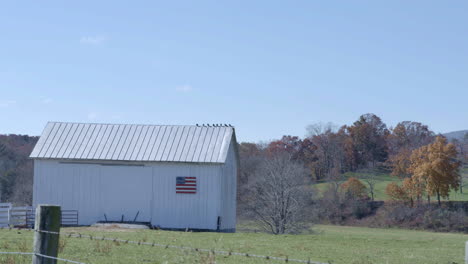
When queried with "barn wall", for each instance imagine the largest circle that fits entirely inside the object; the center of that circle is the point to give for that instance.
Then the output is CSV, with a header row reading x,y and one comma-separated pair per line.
x,y
73,186
229,191
95,190
173,210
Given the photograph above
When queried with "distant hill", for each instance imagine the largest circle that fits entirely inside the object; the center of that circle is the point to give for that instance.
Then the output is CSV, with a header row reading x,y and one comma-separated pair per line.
x,y
456,134
16,169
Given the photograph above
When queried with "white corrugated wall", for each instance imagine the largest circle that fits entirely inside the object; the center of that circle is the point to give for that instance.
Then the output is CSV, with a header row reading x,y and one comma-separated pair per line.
x,y
73,186
173,210
95,190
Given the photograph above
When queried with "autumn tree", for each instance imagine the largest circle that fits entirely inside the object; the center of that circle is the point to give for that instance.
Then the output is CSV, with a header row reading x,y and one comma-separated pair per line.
x,y
354,188
409,134
400,163
410,190
414,189
403,139
368,136
435,166
396,192
331,150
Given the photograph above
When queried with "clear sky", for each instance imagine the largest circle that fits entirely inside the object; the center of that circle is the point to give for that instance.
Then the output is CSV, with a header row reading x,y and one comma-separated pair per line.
x,y
267,67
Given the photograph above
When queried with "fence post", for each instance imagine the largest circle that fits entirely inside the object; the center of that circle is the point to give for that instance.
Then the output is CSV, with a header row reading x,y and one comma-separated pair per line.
x,y
466,252
47,219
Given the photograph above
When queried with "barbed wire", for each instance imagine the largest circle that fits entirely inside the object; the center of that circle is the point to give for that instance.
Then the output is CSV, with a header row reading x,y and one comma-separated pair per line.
x,y
221,252
16,253
61,259
42,256
16,228
212,251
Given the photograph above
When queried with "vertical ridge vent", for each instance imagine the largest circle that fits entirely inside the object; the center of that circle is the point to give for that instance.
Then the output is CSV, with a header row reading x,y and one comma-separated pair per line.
x,y
125,142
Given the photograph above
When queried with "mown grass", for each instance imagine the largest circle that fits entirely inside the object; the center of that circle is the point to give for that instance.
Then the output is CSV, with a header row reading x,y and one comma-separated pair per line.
x,y
384,179
334,244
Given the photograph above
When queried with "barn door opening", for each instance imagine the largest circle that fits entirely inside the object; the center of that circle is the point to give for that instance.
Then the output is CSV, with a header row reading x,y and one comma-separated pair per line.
x,y
126,193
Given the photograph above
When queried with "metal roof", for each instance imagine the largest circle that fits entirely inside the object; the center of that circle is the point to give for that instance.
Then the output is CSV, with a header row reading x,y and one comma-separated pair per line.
x,y
120,142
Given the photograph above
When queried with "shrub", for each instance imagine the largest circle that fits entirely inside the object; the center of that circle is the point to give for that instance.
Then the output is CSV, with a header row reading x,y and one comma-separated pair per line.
x,y
354,189
425,217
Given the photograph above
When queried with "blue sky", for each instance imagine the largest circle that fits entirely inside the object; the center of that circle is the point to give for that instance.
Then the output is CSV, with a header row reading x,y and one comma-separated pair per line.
x,y
268,67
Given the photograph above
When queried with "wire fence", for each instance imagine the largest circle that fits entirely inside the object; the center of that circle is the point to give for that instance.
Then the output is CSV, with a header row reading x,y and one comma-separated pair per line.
x,y
166,246
40,255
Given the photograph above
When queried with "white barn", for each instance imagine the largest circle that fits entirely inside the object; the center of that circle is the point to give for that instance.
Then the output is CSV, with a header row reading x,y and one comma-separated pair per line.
x,y
173,177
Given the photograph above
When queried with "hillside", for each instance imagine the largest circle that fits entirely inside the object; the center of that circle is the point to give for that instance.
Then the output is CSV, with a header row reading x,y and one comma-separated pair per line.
x,y
16,171
383,179
456,134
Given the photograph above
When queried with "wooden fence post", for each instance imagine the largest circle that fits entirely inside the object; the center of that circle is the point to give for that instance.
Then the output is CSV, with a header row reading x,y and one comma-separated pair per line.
x,y
47,219
466,252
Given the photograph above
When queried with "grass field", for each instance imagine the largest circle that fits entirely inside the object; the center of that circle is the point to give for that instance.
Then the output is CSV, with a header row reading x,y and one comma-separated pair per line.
x,y
334,244
384,179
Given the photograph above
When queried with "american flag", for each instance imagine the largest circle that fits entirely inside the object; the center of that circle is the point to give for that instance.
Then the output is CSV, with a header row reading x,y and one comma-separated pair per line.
x,y
186,185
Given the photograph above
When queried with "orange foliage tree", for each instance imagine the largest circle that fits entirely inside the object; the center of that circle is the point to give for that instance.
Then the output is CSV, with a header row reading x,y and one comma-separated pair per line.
x,y
435,168
396,192
354,188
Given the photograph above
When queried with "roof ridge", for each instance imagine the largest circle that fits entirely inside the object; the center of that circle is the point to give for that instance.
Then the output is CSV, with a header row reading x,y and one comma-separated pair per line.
x,y
138,124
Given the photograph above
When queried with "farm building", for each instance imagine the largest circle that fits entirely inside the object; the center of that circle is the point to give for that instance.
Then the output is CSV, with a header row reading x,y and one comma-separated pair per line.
x,y
173,177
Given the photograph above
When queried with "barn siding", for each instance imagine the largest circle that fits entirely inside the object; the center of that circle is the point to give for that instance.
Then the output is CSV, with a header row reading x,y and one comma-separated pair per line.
x,y
89,189
73,186
174,210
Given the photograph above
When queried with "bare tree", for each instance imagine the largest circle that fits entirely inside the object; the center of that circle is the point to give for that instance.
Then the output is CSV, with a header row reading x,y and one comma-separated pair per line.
x,y
321,128
370,178
279,193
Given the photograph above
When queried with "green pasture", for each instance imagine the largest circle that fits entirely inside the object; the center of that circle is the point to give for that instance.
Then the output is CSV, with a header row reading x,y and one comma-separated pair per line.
x,y
330,244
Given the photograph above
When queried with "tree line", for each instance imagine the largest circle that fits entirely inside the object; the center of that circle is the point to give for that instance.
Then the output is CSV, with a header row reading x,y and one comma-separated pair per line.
x,y
16,169
274,177
328,152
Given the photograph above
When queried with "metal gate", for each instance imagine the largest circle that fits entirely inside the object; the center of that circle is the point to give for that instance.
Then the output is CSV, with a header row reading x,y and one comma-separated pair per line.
x,y
69,218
